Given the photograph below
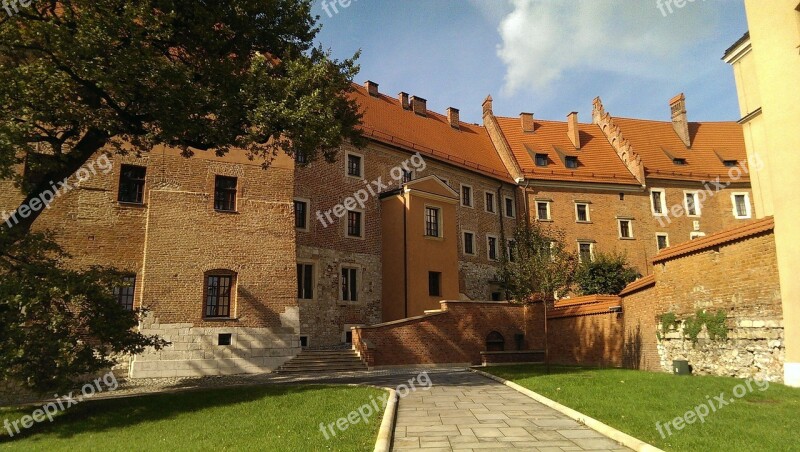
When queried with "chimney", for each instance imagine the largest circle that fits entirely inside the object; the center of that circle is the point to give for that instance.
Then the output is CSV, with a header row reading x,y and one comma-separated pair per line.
x,y
526,120
419,105
679,121
452,117
487,106
572,129
372,88
404,100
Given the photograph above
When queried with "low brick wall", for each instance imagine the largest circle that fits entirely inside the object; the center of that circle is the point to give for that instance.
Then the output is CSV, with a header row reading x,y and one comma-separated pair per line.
x,y
455,335
586,331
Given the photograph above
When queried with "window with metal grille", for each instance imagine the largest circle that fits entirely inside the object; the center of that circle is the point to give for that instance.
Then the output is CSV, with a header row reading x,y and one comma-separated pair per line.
x,y
435,284
225,194
218,295
300,214
354,223
349,284
354,165
124,293
131,184
432,222
305,281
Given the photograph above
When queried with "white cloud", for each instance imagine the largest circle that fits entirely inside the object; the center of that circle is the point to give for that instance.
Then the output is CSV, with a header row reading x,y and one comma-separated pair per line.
x,y
545,41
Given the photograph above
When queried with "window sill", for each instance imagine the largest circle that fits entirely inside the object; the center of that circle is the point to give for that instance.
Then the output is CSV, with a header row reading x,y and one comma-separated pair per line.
x,y
355,237
220,319
544,221
227,212
627,238
430,237
583,222
132,205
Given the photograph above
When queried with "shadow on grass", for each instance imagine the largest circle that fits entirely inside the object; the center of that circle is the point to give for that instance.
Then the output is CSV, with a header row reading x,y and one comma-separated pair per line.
x,y
98,416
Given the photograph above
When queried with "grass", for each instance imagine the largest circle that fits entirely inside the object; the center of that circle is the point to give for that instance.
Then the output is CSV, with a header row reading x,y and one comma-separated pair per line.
x,y
253,418
633,401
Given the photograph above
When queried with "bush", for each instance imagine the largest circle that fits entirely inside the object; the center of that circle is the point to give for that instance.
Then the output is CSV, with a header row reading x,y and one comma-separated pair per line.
x,y
607,274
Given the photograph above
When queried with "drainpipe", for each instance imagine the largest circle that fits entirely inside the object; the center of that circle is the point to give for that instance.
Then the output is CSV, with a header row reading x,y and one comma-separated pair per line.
x,y
405,256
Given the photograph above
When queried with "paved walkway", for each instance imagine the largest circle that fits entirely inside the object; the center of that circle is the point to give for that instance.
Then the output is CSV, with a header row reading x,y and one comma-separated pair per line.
x,y
465,411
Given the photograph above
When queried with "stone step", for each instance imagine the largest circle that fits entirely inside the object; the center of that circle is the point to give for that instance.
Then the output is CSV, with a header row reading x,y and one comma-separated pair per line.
x,y
324,361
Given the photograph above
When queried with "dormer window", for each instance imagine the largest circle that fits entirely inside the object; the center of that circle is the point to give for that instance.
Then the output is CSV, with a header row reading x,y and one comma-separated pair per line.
x,y
679,162
571,162
541,160
730,163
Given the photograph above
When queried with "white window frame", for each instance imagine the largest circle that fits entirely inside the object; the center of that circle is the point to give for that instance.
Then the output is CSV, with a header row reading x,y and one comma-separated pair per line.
x,y
630,228
662,234
439,220
591,250
578,220
496,248
748,206
464,243
513,207
471,205
549,213
308,214
363,224
662,198
347,164
697,207
494,202
696,235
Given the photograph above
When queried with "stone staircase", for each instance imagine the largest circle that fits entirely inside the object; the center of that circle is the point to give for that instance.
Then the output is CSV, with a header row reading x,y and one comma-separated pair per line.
x,y
324,361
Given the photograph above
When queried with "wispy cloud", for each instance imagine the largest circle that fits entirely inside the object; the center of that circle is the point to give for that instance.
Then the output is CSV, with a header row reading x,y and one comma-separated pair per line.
x,y
544,41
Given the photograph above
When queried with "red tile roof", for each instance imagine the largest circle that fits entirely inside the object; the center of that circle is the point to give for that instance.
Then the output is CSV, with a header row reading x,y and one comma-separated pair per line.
x,y
637,285
585,305
721,238
469,147
712,142
597,160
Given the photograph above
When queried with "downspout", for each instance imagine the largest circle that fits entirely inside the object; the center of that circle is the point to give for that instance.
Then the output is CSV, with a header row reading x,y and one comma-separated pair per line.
x,y
405,256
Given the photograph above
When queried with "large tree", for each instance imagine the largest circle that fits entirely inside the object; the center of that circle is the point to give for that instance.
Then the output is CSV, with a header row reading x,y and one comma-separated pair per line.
x,y
84,76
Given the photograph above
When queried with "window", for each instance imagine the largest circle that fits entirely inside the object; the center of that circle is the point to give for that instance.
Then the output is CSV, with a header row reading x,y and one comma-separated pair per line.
x,y
679,161
349,284
435,284
219,288
662,241
408,176
355,223
509,207
582,212
469,243
696,235
301,158
741,205
124,293
625,229
224,339
304,341
131,184
491,247
466,195
490,205
432,222
225,194
512,251
730,163
571,162
658,202
305,281
354,165
543,210
301,214
585,251
692,203
541,160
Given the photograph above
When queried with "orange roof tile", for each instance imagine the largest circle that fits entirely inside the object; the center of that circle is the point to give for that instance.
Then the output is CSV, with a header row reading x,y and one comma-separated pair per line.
x,y
468,147
585,305
597,160
721,238
712,142
637,285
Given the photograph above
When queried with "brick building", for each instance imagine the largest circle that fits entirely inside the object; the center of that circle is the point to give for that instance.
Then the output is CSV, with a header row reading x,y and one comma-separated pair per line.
x,y
421,214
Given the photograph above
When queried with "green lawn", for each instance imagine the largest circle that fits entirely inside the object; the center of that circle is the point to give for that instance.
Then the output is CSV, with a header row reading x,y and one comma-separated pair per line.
x,y
284,418
633,401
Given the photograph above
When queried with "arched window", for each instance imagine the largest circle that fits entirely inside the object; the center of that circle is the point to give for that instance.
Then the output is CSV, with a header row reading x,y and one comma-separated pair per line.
x,y
495,342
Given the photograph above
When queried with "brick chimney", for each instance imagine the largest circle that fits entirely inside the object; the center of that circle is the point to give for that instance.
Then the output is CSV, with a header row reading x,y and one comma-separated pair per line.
x,y
679,121
487,106
372,88
404,100
526,121
572,129
453,117
419,105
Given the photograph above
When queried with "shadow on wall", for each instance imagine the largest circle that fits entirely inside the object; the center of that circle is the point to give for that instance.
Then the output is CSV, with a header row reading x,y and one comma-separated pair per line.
x,y
632,351
587,340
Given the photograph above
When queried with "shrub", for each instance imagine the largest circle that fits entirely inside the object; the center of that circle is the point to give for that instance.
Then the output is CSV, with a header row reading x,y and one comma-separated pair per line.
x,y
606,274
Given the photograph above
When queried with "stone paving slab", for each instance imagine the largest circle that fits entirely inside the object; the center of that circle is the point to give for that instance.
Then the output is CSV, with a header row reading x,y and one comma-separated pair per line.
x,y
464,411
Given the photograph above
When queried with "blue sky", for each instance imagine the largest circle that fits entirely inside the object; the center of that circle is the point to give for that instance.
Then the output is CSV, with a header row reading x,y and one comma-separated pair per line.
x,y
548,57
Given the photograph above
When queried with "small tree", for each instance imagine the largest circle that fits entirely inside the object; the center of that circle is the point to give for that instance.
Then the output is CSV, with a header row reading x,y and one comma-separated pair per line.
x,y
539,266
606,274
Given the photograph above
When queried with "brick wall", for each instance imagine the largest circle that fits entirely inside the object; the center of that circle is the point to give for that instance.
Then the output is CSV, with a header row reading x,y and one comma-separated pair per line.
x,y
584,331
